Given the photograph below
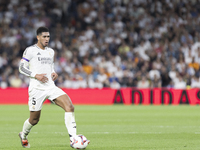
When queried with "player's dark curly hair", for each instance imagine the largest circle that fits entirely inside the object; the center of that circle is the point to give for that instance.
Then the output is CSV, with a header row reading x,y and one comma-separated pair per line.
x,y
42,29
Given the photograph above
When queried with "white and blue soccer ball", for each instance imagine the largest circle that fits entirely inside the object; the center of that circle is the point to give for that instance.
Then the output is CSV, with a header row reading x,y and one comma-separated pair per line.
x,y
79,142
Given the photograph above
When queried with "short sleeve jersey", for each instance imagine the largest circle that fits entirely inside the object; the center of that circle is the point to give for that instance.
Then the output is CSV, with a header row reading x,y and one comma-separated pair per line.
x,y
40,62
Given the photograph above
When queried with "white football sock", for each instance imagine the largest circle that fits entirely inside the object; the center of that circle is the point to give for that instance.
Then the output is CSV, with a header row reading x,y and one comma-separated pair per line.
x,y
70,123
26,129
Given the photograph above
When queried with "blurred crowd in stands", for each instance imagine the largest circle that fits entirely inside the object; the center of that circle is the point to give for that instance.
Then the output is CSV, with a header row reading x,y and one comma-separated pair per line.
x,y
106,43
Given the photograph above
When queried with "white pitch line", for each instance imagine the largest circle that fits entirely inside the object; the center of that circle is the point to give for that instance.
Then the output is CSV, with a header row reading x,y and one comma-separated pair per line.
x,y
125,132
65,133
197,132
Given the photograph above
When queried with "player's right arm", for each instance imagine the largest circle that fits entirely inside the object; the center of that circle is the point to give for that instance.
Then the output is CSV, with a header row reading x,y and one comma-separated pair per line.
x,y
24,67
24,64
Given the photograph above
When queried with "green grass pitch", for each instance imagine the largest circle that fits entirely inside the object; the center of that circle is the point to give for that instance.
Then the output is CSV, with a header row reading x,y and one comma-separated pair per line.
x,y
116,127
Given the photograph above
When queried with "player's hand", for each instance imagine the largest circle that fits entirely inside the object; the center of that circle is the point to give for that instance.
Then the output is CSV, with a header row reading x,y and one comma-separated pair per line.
x,y
54,76
41,77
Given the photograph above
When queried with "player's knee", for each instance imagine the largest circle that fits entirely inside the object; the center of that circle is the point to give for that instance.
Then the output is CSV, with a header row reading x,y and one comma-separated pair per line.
x,y
70,108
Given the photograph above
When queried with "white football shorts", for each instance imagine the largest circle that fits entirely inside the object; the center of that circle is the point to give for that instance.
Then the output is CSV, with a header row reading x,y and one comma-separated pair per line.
x,y
37,97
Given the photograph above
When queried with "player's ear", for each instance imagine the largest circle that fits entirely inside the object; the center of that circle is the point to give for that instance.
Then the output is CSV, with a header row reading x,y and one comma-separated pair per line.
x,y
38,37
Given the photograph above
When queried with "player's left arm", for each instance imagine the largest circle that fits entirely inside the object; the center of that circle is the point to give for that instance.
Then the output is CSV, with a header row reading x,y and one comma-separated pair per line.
x,y
54,75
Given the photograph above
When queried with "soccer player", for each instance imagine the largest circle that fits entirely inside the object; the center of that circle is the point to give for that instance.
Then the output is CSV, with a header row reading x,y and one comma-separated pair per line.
x,y
38,64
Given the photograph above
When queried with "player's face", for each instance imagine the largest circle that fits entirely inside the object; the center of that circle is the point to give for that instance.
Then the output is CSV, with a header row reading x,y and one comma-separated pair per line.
x,y
43,39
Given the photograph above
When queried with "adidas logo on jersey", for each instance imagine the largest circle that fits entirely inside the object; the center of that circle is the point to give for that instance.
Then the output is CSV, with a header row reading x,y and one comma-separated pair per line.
x,y
38,53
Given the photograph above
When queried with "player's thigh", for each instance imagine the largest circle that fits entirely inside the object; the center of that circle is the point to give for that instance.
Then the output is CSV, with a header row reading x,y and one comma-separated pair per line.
x,y
65,102
36,99
60,98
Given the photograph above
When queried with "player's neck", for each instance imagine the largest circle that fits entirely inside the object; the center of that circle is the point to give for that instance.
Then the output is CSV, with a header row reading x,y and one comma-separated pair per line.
x,y
40,46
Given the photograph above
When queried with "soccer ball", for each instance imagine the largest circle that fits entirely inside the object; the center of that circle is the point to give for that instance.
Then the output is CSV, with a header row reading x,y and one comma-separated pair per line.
x,y
79,142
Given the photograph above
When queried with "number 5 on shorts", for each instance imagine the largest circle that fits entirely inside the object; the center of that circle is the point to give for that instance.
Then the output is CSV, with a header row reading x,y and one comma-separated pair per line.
x,y
33,101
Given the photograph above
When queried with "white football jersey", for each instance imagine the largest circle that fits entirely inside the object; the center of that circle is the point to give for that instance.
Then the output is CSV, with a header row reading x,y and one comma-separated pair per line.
x,y
38,61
